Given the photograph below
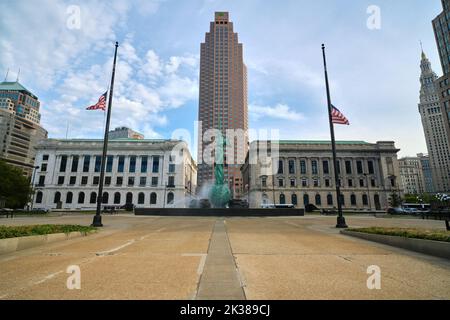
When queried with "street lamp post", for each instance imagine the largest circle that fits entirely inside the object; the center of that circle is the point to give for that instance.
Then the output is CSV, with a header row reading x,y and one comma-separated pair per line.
x,y
32,186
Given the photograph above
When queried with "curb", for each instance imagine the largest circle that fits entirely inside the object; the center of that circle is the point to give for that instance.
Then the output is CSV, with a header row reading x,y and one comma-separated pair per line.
x,y
19,243
434,248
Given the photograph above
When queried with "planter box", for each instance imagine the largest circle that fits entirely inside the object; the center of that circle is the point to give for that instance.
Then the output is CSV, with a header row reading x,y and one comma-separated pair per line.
x,y
434,248
19,243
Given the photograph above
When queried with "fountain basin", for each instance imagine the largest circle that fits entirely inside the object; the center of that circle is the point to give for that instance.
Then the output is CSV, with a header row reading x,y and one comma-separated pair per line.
x,y
220,212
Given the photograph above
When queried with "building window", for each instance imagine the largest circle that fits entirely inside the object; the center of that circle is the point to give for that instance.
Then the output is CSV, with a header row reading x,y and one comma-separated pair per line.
x,y
326,169
132,167
117,198
141,198
98,163
144,161
304,183
316,182
96,180
373,182
109,163
60,180
129,198
105,197
142,181
72,180
282,199
353,200
43,167
75,160
302,166
45,157
365,200
318,200
119,181
153,198
84,180
39,196
121,164
264,182
107,181
130,181
359,167
370,166
171,183
314,167
81,197
294,199
350,183
86,163
280,167
338,165
329,200
361,183
155,165
327,182
154,181
280,182
348,167
292,183
170,198
171,168
63,164
291,166
305,199
93,198
57,197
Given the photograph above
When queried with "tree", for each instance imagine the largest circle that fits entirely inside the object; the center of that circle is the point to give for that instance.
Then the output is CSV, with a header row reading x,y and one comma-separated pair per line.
x,y
394,199
14,186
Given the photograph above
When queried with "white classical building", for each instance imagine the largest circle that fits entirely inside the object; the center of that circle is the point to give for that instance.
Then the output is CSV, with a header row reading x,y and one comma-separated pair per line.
x,y
303,174
146,173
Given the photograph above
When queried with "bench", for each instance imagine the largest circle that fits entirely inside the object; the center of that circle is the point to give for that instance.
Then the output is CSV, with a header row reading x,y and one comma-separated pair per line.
x,y
7,212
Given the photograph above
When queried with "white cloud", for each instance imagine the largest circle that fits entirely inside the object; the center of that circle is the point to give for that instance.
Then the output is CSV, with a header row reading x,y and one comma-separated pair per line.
x,y
279,111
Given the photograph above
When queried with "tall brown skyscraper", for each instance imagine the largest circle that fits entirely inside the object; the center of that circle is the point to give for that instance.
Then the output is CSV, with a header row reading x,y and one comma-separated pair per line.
x,y
223,99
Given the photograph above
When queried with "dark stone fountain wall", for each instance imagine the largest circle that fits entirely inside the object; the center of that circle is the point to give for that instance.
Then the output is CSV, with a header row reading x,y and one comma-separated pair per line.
x,y
221,212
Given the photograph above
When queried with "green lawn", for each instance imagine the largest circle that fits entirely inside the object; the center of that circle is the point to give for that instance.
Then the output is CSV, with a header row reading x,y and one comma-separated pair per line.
x,y
428,234
33,230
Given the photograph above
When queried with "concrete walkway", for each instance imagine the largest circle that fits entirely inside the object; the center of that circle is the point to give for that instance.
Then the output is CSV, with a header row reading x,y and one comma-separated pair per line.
x,y
220,279
222,258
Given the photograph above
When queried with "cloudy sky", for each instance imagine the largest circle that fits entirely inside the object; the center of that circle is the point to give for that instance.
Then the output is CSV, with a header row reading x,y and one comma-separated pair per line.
x,y
374,73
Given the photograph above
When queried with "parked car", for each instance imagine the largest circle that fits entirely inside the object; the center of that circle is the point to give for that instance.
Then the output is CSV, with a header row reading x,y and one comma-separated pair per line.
x,y
397,210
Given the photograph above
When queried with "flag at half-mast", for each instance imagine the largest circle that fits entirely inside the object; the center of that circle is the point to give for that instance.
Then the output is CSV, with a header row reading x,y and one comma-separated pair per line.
x,y
338,117
101,103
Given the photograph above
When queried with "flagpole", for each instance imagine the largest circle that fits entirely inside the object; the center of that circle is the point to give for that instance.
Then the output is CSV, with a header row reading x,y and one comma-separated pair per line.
x,y
97,222
340,219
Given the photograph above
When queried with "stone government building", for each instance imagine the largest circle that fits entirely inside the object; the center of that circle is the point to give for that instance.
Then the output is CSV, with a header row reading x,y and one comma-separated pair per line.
x,y
143,172
369,173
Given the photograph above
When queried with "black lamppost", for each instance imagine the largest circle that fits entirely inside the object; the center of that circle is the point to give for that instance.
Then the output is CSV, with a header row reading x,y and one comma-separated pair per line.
x,y
32,186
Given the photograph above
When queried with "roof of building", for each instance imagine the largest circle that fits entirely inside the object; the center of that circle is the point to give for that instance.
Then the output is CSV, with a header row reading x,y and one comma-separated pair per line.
x,y
15,86
319,142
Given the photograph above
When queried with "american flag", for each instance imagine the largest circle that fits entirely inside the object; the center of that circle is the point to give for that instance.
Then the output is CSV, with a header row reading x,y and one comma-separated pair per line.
x,y
101,104
337,117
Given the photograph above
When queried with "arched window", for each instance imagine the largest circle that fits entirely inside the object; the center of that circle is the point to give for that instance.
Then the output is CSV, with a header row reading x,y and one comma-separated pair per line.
x,y
81,197
153,198
305,199
170,198
282,199
376,199
342,200
294,199
129,198
365,200
318,200
69,197
329,200
353,200
117,198
93,198
57,197
141,198
39,196
105,197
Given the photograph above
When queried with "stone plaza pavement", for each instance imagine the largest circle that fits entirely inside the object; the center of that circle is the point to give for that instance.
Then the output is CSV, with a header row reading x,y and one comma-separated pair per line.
x,y
221,258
